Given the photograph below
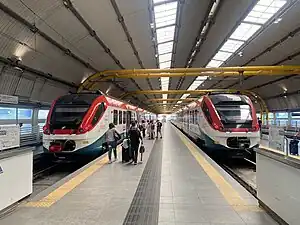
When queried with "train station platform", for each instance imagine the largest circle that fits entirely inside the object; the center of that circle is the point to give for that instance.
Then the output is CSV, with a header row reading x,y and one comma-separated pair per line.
x,y
177,184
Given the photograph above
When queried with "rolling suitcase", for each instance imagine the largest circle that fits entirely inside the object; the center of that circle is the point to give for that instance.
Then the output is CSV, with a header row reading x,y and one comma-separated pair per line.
x,y
125,151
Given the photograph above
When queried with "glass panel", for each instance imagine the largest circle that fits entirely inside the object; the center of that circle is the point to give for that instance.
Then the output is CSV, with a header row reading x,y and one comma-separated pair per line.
x,y
8,113
231,45
24,114
222,56
165,48
165,57
115,118
264,10
214,63
165,65
244,31
43,114
165,34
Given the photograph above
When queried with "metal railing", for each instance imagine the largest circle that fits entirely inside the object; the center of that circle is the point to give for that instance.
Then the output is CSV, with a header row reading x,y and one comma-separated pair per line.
x,y
282,139
31,136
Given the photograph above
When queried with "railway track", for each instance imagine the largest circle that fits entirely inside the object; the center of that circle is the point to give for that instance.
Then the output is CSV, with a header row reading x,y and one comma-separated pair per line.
x,y
244,175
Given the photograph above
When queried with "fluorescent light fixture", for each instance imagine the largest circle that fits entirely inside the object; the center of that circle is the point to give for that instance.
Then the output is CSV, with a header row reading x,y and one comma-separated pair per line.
x,y
179,102
222,56
231,45
165,96
214,63
264,10
244,31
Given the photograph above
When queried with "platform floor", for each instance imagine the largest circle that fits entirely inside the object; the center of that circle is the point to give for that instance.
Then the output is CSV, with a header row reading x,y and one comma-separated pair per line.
x,y
177,184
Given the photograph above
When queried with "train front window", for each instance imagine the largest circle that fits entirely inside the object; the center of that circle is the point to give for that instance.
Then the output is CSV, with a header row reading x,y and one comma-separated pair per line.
x,y
67,117
235,115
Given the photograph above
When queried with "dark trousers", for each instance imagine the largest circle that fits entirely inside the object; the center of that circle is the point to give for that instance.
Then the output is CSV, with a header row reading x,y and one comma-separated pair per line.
x,y
144,132
135,151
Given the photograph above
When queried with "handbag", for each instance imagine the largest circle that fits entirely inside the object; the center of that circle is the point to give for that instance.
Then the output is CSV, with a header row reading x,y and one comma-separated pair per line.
x,y
142,149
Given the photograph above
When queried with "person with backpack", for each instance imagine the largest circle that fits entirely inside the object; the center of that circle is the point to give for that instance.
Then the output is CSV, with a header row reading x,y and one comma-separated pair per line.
x,y
158,128
135,139
112,136
152,129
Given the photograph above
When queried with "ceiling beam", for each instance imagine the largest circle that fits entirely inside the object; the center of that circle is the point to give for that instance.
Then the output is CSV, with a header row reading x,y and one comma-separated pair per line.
x,y
129,38
69,5
38,73
270,48
35,30
220,71
208,21
264,27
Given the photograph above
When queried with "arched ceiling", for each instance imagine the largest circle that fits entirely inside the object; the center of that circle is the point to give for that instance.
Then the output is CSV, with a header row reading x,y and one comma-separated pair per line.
x,y
61,42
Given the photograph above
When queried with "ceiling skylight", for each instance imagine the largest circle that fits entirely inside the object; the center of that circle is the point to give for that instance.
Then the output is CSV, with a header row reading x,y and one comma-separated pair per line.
x,y
165,34
261,13
165,57
165,48
244,31
264,10
165,13
214,63
222,56
231,45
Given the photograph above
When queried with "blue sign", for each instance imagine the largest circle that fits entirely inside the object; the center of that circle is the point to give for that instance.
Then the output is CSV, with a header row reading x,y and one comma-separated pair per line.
x,y
1,170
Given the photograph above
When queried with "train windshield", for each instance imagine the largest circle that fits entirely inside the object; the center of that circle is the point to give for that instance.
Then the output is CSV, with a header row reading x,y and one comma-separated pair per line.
x,y
234,110
70,110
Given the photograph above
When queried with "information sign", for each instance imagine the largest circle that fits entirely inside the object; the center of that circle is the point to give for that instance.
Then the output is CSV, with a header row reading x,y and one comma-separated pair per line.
x,y
9,136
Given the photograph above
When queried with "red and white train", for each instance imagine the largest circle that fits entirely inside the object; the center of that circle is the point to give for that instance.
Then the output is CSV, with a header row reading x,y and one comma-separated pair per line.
x,y
77,123
225,124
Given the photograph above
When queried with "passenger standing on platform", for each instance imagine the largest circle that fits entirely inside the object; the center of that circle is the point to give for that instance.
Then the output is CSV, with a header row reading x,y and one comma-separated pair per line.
x,y
135,138
148,128
144,128
112,136
158,128
152,130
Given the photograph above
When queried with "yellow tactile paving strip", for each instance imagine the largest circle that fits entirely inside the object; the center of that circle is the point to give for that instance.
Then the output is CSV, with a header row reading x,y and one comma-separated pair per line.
x,y
230,194
64,189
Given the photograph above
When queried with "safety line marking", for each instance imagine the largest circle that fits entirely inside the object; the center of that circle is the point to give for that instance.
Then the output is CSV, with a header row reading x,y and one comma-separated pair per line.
x,y
64,189
230,194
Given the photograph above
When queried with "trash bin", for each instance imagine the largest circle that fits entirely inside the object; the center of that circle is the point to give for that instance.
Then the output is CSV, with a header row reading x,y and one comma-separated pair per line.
x,y
294,147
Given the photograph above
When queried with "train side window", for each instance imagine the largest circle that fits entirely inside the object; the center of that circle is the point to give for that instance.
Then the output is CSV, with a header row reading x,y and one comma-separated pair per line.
x,y
124,117
196,116
120,117
115,119
206,113
98,114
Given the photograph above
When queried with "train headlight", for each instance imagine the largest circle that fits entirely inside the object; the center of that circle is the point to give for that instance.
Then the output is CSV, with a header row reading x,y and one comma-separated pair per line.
x,y
81,130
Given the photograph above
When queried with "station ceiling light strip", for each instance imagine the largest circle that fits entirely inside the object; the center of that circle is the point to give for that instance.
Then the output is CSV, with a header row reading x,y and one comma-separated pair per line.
x,y
165,13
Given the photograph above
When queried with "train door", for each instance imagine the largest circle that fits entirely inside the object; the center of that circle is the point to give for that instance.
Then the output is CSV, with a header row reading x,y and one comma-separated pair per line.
x,y
128,119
